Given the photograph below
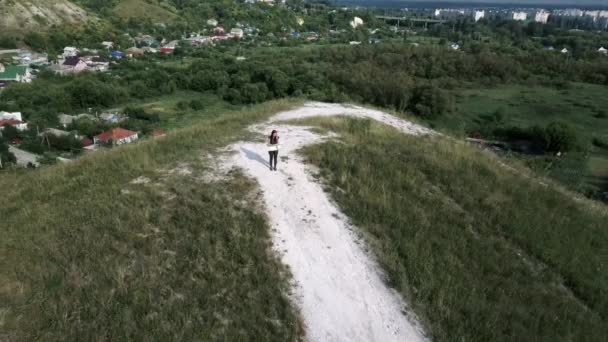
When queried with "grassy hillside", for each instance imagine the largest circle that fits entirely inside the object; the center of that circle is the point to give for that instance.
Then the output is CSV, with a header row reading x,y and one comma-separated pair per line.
x,y
483,252
24,15
156,11
140,242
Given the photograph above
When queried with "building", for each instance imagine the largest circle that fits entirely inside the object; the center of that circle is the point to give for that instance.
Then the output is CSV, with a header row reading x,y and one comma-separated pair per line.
x,y
356,22
107,45
218,31
237,33
73,65
116,136
66,120
135,52
602,50
212,22
520,16
170,46
118,54
541,17
14,74
55,132
111,117
12,119
70,51
98,64
564,51
479,15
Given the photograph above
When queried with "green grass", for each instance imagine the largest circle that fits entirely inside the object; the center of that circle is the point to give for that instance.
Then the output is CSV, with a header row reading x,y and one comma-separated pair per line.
x,y
526,106
483,253
88,254
144,9
173,117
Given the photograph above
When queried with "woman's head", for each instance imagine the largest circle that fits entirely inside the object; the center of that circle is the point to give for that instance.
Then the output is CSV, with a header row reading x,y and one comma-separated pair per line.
x,y
273,133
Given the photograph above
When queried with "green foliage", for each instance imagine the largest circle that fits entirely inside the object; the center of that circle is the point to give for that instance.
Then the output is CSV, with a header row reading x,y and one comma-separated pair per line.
x,y
9,132
429,102
8,42
6,157
558,136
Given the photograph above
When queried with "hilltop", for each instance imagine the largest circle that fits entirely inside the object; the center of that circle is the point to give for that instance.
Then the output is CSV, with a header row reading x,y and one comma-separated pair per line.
x,y
37,14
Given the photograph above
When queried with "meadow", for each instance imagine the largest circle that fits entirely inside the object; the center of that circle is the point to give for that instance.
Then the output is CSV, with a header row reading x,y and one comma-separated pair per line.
x,y
483,252
140,242
582,106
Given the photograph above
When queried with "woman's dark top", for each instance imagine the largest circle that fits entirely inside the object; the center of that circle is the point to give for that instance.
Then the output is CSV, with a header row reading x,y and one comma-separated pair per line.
x,y
274,140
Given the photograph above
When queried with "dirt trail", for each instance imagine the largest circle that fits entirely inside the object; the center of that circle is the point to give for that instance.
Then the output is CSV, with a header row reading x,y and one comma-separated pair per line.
x,y
338,287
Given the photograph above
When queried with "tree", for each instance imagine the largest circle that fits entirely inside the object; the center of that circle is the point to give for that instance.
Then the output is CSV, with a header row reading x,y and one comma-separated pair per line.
x,y
429,101
559,137
6,157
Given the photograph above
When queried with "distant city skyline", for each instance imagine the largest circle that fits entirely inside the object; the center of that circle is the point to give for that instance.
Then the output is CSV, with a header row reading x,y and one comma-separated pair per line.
x,y
523,2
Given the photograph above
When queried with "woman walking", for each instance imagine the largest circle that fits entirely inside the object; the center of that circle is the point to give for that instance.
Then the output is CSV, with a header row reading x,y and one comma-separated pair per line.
x,y
273,149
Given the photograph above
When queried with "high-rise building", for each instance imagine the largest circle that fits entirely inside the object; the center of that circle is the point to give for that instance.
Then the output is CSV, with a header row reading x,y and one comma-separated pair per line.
x,y
479,15
541,16
521,16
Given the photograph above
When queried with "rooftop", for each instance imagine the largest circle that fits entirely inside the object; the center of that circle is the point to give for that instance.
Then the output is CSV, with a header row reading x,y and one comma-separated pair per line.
x,y
115,134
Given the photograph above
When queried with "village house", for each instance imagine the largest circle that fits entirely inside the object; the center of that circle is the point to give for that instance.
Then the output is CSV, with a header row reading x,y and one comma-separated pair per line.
x,y
212,22
98,64
55,132
65,120
147,40
12,119
116,136
70,51
112,117
237,33
219,31
602,50
118,54
14,74
170,46
135,52
73,65
107,45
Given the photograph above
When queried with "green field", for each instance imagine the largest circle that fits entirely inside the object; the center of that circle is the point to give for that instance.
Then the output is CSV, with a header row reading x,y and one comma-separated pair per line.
x,y
582,106
482,253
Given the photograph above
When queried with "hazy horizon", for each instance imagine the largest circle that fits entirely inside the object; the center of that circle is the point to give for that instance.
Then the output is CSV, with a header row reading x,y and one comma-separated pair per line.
x,y
514,2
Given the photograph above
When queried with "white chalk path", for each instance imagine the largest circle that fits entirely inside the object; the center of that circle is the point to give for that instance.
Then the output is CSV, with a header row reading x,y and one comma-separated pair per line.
x,y
339,288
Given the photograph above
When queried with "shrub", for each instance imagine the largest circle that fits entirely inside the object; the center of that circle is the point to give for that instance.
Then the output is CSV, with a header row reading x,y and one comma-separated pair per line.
x,y
196,104
558,137
600,142
429,102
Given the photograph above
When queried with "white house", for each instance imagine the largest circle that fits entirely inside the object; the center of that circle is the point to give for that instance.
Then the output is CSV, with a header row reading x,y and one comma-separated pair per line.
x,y
356,22
521,16
212,22
107,45
564,51
237,33
70,51
12,119
11,115
602,50
479,15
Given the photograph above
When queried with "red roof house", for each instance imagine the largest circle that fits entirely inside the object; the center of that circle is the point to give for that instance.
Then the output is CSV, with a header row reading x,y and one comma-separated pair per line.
x,y
116,136
18,124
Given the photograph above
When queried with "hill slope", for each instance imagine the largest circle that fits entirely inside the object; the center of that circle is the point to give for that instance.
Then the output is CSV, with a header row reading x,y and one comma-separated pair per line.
x,y
36,14
156,11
